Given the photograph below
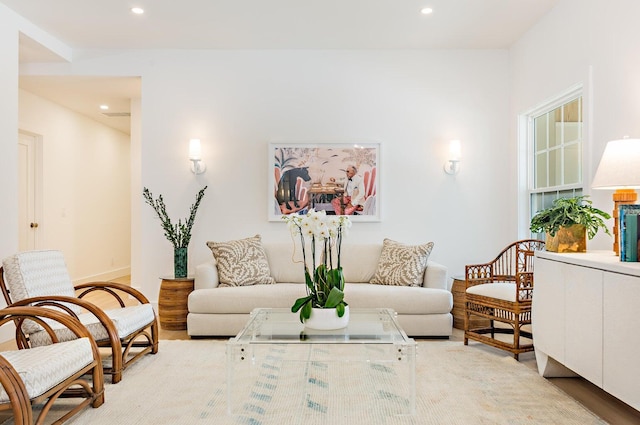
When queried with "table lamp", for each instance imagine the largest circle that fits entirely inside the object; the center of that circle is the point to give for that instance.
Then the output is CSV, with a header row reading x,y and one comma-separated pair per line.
x,y
619,170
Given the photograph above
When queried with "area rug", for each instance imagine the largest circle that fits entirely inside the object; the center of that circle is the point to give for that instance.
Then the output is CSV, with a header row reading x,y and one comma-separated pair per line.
x,y
185,384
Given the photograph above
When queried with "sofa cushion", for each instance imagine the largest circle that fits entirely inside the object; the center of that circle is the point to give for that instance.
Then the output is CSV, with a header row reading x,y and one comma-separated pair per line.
x,y
359,261
285,262
402,265
225,300
404,300
241,262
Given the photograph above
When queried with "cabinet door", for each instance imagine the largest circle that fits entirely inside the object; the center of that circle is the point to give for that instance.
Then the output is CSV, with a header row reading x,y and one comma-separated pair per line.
x,y
548,308
621,375
583,322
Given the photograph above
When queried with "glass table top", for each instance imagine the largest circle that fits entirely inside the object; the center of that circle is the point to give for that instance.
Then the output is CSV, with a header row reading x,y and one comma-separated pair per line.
x,y
366,326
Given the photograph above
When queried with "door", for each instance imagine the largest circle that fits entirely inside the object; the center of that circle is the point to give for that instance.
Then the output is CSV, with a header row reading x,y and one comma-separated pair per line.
x,y
27,192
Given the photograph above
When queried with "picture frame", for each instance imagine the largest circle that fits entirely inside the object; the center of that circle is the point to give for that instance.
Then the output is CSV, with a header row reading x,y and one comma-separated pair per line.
x,y
315,175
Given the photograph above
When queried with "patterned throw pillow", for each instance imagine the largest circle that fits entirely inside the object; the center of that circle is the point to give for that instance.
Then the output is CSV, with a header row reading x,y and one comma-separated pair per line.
x,y
242,262
402,265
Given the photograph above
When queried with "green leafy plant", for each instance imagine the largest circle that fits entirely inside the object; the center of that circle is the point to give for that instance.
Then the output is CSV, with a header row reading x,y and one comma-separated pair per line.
x,y
325,287
566,212
178,234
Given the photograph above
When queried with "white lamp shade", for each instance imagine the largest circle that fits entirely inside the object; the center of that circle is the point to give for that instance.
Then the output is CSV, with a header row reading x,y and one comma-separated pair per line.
x,y
195,151
455,151
620,166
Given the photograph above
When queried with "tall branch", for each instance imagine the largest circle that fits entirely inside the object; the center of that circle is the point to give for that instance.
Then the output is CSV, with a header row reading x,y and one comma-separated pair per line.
x,y
178,234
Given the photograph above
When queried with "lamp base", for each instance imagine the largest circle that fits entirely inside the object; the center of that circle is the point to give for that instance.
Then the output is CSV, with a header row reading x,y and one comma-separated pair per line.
x,y
620,197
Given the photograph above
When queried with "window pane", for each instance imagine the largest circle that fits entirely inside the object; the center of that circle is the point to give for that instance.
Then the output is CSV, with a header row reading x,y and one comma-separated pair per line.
x,y
548,198
555,127
540,124
572,169
572,131
573,111
541,171
555,164
536,201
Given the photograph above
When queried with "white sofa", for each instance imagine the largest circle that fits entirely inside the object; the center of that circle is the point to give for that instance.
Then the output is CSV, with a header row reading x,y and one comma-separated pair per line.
x,y
223,311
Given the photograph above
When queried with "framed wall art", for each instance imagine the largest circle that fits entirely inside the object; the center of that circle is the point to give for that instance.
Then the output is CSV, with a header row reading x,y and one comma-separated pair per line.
x,y
339,178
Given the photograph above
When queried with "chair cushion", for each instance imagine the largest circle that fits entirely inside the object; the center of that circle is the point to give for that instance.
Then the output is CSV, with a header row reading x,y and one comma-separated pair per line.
x,y
402,265
241,262
42,368
37,273
500,290
126,320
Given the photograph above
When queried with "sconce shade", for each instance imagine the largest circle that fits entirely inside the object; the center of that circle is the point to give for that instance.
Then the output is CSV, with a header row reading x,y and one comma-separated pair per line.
x,y
195,156
620,166
455,151
195,150
452,166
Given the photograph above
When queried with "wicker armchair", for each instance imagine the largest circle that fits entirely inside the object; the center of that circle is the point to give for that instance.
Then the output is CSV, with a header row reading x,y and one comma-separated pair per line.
x,y
40,278
41,375
501,291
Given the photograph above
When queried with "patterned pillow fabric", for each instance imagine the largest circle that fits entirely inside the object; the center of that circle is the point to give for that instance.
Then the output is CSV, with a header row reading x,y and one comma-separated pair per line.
x,y
242,262
402,265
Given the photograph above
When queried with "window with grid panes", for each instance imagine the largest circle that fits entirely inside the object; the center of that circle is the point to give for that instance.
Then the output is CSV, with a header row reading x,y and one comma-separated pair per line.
x,y
556,154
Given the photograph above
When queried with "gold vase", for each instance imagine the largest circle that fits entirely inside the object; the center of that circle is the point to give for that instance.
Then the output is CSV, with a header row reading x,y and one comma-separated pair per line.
x,y
568,239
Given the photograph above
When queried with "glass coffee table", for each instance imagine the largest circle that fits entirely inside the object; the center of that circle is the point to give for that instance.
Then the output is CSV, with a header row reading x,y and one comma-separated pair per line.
x,y
276,368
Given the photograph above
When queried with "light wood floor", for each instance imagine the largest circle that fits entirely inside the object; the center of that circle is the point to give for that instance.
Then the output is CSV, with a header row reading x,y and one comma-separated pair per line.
x,y
593,398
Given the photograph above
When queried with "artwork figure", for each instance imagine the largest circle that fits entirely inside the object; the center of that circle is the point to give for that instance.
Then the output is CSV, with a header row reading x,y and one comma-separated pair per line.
x,y
352,199
286,192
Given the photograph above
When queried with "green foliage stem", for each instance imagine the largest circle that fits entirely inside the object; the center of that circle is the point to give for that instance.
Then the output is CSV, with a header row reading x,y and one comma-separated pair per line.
x,y
178,234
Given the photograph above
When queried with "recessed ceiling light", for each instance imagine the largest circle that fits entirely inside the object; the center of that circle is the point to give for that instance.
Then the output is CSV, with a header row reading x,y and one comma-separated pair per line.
x,y
137,10
104,107
426,11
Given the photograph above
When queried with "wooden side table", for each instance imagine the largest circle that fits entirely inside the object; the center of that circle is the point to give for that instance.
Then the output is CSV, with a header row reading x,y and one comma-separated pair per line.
x,y
172,302
459,299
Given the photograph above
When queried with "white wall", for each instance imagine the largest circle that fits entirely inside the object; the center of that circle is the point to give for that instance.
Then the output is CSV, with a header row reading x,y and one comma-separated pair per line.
x,y
593,42
8,131
86,185
412,102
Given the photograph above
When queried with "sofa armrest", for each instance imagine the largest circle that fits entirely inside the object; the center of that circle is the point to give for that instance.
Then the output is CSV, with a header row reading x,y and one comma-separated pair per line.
x,y
435,276
206,275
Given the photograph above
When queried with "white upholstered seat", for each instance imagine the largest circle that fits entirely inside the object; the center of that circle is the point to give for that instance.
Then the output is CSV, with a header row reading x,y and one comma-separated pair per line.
x,y
41,278
42,368
502,291
40,375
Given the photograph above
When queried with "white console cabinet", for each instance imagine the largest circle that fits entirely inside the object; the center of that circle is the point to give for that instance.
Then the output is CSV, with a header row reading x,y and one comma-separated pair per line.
x,y
585,319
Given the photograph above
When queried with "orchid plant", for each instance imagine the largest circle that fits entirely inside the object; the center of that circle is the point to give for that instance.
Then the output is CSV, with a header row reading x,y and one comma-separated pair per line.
x,y
325,287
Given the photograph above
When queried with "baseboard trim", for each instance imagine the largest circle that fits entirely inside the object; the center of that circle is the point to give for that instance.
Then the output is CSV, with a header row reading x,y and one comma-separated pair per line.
x,y
106,276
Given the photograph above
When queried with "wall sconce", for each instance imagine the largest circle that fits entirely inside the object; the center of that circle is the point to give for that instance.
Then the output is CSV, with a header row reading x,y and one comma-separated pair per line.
x,y
195,156
619,170
452,166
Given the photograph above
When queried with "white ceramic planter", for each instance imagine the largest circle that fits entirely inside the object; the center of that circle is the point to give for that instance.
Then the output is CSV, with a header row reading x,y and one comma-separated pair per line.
x,y
325,319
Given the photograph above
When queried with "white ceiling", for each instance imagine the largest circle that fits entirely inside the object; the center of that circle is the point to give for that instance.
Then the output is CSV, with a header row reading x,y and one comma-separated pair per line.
x,y
266,24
